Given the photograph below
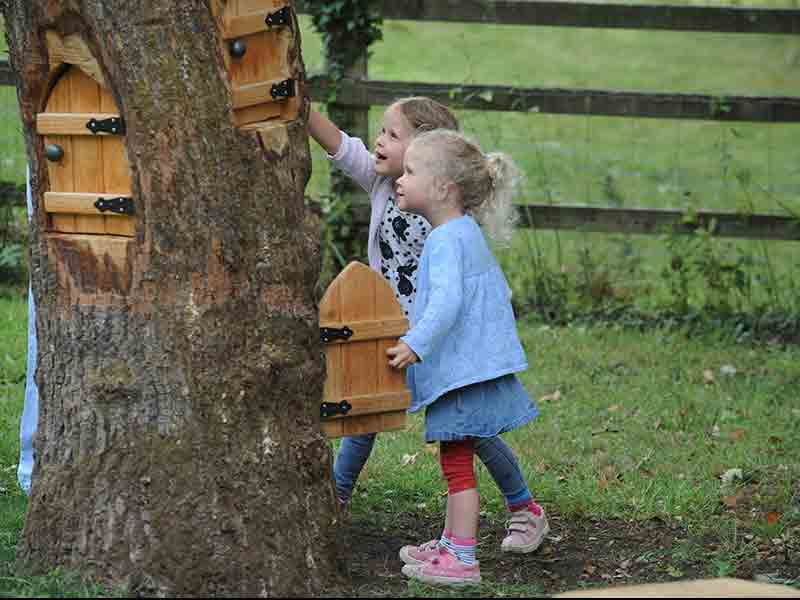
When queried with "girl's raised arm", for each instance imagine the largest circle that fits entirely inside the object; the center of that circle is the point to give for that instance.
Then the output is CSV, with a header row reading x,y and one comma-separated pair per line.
x,y
324,131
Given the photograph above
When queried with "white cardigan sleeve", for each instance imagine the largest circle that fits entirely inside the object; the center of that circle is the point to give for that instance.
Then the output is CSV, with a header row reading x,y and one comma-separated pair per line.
x,y
353,158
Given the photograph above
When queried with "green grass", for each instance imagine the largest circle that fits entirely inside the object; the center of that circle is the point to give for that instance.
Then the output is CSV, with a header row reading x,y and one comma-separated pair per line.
x,y
634,409
637,430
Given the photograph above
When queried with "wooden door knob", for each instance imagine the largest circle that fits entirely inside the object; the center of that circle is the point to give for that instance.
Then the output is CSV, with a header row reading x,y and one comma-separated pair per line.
x,y
53,152
238,48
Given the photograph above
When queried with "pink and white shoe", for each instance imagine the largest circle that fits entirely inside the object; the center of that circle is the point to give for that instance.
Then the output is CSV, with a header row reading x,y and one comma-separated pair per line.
x,y
444,569
526,532
418,555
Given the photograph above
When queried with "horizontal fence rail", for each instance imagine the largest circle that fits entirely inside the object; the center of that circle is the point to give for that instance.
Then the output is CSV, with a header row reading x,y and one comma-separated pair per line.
x,y
650,221
721,19
646,221
365,93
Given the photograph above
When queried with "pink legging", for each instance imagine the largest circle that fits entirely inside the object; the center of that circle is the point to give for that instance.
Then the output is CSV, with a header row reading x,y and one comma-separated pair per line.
x,y
457,463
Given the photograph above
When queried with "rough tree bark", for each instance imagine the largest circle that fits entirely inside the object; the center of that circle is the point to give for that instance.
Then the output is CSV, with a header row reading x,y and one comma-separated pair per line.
x,y
179,450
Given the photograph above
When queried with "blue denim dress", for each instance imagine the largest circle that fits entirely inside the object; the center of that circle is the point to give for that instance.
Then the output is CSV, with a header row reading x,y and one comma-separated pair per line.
x,y
480,410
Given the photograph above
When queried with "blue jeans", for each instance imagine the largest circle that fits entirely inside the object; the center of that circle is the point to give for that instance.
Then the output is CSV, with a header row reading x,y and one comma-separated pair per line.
x,y
30,411
493,452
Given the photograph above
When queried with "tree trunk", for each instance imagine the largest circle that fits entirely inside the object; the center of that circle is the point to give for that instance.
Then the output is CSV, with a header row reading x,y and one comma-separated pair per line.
x,y
178,449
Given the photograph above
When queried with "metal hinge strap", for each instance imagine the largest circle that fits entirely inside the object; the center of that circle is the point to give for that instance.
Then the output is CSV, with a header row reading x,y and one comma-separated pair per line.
x,y
121,206
112,125
331,409
283,89
278,18
327,334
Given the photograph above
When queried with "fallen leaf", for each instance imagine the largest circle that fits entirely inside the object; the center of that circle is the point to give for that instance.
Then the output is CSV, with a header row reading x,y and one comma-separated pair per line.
x,y
730,501
409,459
708,376
773,517
614,408
554,397
738,434
589,569
731,475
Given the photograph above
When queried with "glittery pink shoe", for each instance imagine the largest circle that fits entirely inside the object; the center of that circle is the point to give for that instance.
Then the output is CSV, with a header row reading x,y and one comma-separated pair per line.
x,y
444,569
417,555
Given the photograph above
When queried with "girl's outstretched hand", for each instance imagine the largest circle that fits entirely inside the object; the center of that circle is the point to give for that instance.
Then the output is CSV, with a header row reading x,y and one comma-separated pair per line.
x,y
401,356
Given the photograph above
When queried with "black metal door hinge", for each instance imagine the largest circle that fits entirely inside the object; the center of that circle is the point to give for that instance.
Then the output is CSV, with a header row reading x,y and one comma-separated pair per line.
x,y
278,18
283,89
112,125
327,334
331,409
122,205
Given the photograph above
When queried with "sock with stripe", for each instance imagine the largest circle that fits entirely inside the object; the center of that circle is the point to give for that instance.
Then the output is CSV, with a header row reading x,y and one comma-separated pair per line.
x,y
462,548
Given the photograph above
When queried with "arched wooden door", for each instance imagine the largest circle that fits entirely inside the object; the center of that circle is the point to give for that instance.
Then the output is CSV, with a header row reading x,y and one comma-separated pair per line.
x,y
360,318
91,216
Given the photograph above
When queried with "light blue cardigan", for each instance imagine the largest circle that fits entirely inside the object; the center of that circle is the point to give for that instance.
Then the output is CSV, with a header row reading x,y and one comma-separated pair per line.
x,y
462,327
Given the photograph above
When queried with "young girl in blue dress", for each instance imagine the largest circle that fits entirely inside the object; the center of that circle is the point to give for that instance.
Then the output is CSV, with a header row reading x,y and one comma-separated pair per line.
x,y
462,351
396,239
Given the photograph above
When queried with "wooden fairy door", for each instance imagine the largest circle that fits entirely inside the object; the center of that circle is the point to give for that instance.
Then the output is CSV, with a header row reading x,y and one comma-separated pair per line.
x,y
258,35
360,318
91,217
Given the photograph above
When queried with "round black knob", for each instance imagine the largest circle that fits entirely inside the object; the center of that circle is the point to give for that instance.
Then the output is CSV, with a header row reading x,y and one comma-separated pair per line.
x,y
238,48
53,152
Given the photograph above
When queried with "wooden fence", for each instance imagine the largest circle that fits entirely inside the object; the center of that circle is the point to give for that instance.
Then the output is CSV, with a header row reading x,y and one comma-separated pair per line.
x,y
357,94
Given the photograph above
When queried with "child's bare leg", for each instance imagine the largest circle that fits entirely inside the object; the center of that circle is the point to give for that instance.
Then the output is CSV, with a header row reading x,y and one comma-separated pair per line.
x,y
462,514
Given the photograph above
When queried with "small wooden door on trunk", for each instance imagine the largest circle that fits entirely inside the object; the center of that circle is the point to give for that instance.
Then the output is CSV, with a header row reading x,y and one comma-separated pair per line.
x,y
91,216
359,320
258,35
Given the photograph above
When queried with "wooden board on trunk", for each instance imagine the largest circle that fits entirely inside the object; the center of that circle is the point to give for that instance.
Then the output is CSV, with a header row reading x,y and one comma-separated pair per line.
x,y
92,165
358,368
264,62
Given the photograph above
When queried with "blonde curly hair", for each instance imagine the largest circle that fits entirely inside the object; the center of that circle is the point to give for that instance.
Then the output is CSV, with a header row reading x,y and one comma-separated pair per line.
x,y
488,183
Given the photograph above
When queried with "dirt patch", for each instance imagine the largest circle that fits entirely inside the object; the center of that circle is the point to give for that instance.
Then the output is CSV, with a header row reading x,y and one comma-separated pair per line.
x,y
579,552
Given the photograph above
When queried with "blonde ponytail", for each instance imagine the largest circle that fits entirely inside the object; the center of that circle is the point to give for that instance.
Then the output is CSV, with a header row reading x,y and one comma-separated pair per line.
x,y
497,214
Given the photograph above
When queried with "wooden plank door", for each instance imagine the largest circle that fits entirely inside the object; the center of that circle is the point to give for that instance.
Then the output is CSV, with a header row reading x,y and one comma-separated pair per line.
x,y
92,166
264,63
91,249
358,368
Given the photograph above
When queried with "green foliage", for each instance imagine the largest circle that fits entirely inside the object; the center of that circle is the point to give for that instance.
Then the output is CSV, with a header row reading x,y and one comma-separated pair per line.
x,y
347,27
341,239
12,242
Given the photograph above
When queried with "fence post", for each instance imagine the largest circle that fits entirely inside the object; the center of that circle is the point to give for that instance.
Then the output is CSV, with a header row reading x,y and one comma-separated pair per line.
x,y
355,122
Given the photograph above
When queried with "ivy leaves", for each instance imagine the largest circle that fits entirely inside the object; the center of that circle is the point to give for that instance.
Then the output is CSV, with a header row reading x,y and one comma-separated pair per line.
x,y
347,28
